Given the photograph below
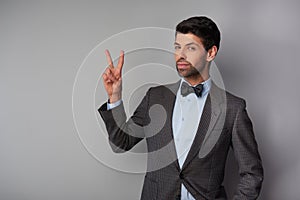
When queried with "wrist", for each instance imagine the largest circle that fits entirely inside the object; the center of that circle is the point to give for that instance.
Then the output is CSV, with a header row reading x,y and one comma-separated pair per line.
x,y
114,98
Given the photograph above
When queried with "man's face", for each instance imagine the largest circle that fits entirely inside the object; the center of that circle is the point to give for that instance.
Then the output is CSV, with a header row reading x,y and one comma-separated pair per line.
x,y
190,56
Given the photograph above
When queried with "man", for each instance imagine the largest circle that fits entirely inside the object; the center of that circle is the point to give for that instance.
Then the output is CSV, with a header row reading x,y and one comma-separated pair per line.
x,y
201,123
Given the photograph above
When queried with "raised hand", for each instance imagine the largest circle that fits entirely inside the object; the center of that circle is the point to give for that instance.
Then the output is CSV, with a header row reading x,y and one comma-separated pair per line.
x,y
112,78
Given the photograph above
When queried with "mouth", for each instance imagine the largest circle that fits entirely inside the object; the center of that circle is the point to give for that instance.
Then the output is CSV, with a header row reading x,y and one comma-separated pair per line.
x,y
183,65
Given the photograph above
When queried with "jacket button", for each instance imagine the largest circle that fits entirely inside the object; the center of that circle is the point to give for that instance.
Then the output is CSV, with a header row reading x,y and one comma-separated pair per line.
x,y
181,176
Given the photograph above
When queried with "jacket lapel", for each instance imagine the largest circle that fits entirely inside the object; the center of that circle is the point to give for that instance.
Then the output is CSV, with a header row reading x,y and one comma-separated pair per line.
x,y
218,105
168,103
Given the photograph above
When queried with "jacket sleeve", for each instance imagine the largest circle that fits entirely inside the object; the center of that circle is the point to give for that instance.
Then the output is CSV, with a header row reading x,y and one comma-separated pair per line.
x,y
122,134
246,153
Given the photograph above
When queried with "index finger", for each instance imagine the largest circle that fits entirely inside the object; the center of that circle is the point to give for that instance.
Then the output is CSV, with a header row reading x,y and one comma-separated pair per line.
x,y
109,60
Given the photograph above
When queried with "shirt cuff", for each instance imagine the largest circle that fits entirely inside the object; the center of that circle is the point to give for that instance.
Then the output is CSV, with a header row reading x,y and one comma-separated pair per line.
x,y
113,105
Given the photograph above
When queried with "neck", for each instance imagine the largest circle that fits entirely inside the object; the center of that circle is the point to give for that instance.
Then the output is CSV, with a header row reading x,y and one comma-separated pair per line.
x,y
195,80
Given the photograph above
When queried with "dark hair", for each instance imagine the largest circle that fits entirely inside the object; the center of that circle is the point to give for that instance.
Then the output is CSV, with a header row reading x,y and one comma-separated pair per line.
x,y
204,28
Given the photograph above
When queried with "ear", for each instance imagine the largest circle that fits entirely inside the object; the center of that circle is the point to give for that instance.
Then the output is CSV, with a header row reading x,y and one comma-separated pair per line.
x,y
211,54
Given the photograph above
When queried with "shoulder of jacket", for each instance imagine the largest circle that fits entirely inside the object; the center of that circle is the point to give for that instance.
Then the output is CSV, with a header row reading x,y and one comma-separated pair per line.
x,y
173,87
235,100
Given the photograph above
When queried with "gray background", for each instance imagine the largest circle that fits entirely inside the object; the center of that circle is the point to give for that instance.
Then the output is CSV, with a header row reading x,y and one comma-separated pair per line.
x,y
43,43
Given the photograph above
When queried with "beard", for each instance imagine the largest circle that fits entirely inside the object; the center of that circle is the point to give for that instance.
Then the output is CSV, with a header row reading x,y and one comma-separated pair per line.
x,y
189,72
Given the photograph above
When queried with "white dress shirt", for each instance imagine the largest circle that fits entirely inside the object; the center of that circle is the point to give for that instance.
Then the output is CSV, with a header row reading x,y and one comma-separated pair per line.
x,y
186,118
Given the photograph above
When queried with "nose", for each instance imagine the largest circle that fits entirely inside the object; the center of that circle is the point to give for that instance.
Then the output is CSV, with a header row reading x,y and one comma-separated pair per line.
x,y
180,55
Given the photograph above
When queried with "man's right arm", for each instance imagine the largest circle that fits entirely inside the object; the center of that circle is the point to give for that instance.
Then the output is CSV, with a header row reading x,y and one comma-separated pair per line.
x,y
123,135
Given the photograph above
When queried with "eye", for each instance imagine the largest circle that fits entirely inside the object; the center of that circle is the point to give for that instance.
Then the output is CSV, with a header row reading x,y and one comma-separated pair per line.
x,y
177,47
191,48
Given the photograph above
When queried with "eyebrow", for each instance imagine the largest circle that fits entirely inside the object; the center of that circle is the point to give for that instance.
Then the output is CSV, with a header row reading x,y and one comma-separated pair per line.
x,y
191,43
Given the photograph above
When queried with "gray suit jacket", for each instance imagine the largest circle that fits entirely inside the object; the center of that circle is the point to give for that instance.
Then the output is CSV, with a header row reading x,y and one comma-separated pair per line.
x,y
224,123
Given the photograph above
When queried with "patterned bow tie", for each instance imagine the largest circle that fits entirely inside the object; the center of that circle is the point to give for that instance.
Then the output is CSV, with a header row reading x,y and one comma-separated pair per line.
x,y
186,89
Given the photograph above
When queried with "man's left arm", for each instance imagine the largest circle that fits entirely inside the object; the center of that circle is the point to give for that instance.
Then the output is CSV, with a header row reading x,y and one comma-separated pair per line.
x,y
246,153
